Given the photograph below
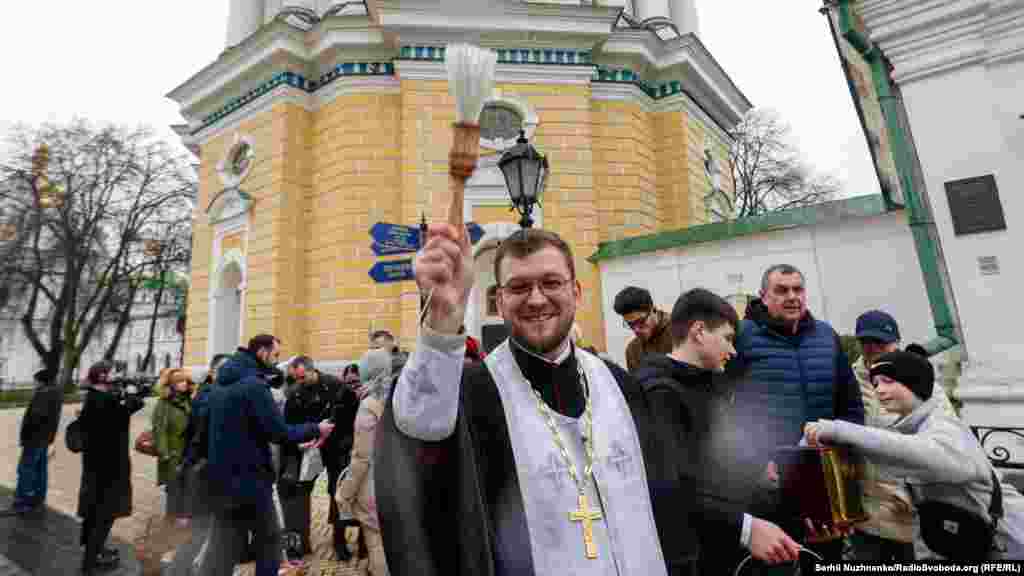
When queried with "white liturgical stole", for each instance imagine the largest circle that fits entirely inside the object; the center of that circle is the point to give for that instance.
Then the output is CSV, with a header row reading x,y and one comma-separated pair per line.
x,y
625,536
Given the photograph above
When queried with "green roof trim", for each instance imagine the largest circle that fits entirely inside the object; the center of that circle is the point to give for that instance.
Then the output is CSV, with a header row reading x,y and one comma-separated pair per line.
x,y
857,207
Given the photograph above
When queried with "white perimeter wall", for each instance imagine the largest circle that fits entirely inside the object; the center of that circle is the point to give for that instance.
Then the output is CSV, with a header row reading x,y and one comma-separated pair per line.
x,y
851,266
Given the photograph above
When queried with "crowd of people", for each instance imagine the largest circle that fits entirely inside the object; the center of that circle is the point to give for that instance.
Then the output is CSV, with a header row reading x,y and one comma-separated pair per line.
x,y
541,456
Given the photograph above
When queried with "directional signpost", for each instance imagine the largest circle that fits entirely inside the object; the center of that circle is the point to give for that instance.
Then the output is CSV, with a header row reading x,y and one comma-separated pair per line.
x,y
392,271
392,239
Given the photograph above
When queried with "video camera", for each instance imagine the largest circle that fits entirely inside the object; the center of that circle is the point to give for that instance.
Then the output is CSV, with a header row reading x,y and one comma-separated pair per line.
x,y
143,385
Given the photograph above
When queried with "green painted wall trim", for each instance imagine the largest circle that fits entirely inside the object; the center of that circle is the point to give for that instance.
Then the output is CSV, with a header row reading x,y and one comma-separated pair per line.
x,y
858,207
918,218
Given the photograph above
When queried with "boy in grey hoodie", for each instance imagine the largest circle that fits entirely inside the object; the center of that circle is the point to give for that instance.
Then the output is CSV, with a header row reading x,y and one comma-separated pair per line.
x,y
937,455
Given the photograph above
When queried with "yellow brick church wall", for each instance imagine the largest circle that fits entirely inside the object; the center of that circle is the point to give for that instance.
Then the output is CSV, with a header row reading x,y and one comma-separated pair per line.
x,y
356,155
565,134
625,176
258,183
321,179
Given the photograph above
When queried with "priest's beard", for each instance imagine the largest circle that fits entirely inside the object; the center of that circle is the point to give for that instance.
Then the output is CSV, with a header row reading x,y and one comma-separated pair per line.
x,y
544,343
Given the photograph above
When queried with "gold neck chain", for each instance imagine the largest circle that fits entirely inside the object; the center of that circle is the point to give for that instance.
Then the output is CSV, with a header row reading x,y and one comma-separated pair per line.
x,y
588,434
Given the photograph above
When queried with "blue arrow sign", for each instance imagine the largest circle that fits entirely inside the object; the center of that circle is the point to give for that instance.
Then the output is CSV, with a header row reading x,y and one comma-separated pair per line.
x,y
391,249
400,239
396,235
392,271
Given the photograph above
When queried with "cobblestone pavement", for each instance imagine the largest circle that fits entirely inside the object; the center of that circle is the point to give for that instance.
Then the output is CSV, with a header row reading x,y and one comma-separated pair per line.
x,y
66,471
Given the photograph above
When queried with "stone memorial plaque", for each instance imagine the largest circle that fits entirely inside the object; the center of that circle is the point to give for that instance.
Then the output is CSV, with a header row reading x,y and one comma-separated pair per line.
x,y
974,205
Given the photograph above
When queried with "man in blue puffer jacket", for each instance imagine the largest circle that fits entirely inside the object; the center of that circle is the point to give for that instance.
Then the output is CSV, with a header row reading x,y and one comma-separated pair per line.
x,y
792,370
242,424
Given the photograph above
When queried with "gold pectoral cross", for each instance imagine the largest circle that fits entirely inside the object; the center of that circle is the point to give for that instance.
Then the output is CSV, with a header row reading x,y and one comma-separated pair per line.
x,y
586,516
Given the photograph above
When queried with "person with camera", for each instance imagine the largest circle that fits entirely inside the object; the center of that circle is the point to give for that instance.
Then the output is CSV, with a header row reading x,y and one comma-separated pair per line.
x,y
106,488
964,511
243,422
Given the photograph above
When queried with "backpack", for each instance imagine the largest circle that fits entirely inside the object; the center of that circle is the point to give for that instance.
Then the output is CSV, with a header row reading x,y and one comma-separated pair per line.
x,y
957,533
74,436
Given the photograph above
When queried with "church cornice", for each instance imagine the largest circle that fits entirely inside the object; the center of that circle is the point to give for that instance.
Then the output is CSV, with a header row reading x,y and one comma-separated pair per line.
x,y
281,61
403,16
674,99
925,38
684,58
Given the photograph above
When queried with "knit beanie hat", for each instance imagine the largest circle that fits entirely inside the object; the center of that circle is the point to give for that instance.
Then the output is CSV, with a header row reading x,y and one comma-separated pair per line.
x,y
909,369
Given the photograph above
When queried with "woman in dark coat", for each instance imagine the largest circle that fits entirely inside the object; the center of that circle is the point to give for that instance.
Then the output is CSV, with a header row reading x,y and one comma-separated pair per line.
x,y
106,490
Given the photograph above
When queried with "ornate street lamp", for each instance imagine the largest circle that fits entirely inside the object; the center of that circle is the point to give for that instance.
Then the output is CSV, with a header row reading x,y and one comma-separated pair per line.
x,y
526,175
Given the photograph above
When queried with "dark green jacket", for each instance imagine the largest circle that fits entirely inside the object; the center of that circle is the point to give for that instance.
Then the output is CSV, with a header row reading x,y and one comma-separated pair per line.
x,y
170,419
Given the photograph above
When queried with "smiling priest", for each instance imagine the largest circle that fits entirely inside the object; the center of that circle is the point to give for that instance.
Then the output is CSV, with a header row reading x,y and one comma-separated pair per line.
x,y
529,464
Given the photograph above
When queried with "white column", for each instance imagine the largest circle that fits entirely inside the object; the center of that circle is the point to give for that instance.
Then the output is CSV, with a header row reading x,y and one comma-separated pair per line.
x,y
650,8
684,15
244,18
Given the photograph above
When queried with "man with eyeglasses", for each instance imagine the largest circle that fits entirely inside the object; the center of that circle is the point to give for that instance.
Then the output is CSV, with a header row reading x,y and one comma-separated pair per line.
x,y
792,370
650,325
528,463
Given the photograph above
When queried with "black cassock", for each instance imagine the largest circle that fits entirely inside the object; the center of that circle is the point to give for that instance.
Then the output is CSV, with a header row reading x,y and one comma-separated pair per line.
x,y
440,503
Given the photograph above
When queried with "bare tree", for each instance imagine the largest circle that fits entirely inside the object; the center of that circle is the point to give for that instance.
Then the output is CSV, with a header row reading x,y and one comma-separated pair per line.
x,y
171,253
767,171
81,201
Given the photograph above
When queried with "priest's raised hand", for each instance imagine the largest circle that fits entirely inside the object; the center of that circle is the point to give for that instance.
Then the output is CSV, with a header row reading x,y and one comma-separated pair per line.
x,y
444,273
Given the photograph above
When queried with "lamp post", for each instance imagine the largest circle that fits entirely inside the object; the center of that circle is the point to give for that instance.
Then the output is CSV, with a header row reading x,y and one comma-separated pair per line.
x,y
526,175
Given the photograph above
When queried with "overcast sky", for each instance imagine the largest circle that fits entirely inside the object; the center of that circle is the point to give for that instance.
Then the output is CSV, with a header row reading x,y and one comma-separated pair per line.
x,y
113,60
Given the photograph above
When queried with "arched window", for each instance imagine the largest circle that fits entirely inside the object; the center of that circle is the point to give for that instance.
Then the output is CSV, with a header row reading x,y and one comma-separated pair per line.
x,y
500,122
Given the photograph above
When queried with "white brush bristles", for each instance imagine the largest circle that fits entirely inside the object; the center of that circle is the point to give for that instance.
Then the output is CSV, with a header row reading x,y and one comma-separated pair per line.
x,y
470,79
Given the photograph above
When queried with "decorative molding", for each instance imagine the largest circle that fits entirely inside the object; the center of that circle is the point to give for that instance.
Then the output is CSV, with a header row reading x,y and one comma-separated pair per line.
x,y
274,40
229,204
354,69
420,70
661,97
241,150
578,18
575,74
356,85
434,69
282,78
683,101
623,92
923,39
560,56
253,108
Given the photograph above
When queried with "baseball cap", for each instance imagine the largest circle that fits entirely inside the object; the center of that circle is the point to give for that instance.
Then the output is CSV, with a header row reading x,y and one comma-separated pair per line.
x,y
878,325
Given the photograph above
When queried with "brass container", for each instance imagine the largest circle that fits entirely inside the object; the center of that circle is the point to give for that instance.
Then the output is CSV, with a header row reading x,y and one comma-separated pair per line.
x,y
823,484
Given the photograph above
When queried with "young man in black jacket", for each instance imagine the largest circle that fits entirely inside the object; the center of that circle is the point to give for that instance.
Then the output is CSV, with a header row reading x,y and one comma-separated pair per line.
x,y
38,429
691,440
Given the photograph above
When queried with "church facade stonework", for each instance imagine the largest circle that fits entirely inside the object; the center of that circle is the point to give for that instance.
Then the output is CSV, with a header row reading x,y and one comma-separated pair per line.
x,y
341,119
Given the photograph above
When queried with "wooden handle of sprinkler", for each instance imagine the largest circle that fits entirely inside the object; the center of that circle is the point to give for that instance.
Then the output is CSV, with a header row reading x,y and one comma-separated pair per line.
x,y
461,163
457,186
